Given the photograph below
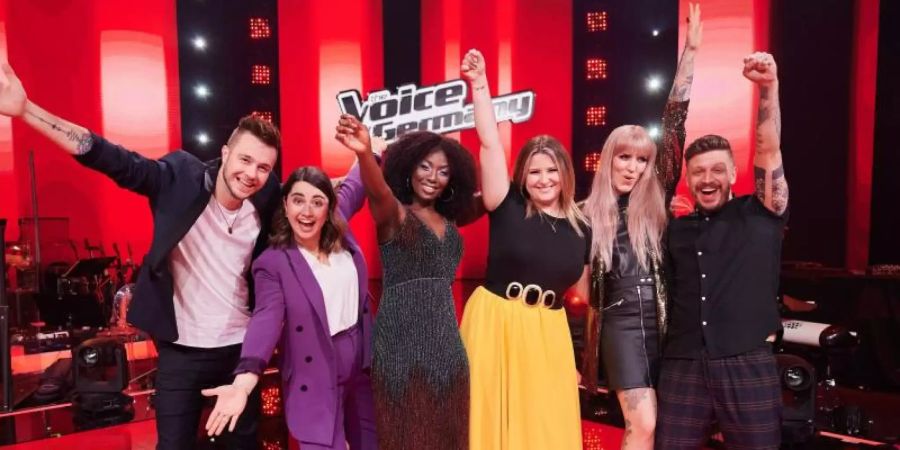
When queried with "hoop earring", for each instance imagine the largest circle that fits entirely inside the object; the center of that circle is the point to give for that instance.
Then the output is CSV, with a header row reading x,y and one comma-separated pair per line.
x,y
452,193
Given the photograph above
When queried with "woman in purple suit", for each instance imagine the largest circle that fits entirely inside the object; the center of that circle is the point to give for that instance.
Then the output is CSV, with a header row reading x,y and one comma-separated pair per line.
x,y
311,298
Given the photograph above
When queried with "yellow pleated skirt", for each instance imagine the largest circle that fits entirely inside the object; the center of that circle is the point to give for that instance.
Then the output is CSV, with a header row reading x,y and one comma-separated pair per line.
x,y
524,385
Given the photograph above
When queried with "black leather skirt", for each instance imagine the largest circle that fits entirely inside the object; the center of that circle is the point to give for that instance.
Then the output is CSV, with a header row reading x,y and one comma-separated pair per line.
x,y
629,338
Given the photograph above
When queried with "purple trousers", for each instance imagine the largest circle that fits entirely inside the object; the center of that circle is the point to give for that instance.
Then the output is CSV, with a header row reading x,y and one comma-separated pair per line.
x,y
355,418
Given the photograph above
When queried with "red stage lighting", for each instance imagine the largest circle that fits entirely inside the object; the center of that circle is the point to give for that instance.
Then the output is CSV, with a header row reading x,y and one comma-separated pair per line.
x,y
264,115
596,116
261,75
271,401
259,28
273,445
596,21
592,162
596,69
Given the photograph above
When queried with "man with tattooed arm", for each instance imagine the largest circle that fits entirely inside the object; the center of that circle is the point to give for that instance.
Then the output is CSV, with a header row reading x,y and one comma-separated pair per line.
x,y
724,264
210,219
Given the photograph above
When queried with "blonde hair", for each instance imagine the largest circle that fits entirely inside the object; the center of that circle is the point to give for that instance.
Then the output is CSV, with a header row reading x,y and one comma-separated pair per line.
x,y
550,146
646,213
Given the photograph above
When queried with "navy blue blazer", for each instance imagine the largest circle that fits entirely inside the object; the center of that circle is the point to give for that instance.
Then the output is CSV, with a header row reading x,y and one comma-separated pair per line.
x,y
178,187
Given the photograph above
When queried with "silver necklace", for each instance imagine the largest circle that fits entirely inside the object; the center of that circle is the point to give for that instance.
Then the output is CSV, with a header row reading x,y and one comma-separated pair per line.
x,y
225,218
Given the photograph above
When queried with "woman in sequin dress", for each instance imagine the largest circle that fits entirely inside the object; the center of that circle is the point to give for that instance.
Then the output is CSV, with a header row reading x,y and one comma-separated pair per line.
x,y
420,373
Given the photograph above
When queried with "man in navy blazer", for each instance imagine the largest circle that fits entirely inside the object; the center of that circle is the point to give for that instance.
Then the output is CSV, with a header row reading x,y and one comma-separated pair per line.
x,y
209,221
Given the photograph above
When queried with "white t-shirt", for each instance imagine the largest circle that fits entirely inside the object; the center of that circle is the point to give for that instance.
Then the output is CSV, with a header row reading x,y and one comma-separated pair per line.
x,y
208,267
339,282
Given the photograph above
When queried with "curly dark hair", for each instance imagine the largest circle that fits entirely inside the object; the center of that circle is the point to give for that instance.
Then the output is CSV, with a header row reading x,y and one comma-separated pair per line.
x,y
333,229
402,156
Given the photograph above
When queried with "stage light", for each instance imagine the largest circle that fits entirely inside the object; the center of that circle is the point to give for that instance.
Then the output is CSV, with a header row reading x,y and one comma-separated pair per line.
x,y
100,369
259,28
596,21
264,115
655,33
271,401
653,131
261,75
592,162
273,445
201,91
595,116
798,396
654,83
202,138
596,69
199,43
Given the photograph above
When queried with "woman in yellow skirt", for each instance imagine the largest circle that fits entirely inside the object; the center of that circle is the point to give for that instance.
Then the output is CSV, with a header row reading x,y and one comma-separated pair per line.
x,y
524,385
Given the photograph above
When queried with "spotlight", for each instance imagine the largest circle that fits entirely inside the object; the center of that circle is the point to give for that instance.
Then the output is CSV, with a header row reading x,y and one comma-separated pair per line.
x,y
202,138
798,393
592,162
101,374
101,365
264,115
89,356
201,91
653,131
596,69
596,116
259,28
597,21
796,378
654,83
655,33
199,43
261,74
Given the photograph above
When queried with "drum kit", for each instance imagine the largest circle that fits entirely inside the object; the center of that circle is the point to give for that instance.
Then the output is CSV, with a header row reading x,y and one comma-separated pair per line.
x,y
92,291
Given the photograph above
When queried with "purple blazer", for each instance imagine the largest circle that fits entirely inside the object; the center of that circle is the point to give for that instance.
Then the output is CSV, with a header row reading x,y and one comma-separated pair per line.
x,y
290,310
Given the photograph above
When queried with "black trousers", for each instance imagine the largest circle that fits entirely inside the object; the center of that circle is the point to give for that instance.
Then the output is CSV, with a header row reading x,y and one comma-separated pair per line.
x,y
184,371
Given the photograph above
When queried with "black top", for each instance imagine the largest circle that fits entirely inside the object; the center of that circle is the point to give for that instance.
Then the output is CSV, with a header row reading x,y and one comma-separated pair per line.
x,y
540,249
178,187
625,262
724,269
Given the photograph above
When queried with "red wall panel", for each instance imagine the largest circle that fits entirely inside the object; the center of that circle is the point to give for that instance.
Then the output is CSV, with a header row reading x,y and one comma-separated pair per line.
x,y
57,48
326,47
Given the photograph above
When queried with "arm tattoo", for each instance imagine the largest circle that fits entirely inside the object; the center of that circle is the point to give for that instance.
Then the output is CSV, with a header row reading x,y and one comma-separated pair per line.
x,y
779,191
779,188
768,133
684,77
83,141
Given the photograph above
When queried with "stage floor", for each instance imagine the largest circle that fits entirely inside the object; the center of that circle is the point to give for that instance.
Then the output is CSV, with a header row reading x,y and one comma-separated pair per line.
x,y
142,436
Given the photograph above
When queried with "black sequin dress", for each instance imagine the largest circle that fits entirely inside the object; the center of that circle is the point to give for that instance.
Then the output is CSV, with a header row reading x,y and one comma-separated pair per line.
x,y
420,372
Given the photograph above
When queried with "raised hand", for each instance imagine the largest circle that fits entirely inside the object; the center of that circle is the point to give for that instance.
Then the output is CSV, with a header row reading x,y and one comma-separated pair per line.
x,y
379,145
230,404
760,68
353,134
695,27
472,67
12,94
